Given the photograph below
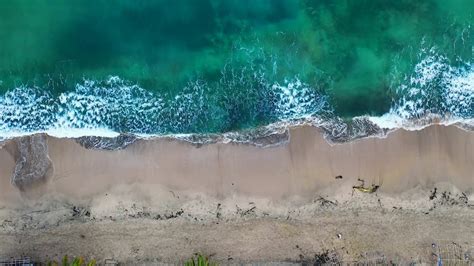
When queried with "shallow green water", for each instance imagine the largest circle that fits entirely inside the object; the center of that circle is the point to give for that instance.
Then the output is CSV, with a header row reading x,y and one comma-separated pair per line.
x,y
352,55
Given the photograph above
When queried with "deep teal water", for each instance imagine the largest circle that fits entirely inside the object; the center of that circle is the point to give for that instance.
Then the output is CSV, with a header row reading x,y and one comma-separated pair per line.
x,y
204,66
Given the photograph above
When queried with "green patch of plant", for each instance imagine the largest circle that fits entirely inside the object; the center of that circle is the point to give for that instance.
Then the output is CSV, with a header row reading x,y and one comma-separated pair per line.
x,y
199,260
77,261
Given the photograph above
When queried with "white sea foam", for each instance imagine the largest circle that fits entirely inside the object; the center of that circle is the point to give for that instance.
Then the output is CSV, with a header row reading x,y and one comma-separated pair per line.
x,y
296,100
436,92
106,108
436,87
388,121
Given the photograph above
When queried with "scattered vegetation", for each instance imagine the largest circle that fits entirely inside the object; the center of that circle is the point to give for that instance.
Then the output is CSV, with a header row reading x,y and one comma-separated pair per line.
x,y
77,261
325,202
199,260
325,257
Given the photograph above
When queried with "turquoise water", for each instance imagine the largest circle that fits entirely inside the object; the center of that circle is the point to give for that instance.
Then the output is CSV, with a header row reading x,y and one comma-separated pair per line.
x,y
206,66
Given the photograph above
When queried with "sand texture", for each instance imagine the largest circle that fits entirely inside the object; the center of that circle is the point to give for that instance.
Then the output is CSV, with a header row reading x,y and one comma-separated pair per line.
x,y
161,200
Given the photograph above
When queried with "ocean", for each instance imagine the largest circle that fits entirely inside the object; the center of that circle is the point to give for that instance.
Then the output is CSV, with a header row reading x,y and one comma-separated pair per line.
x,y
96,67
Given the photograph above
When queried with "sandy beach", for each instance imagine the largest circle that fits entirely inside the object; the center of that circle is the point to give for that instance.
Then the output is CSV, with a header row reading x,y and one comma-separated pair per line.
x,y
161,200
258,132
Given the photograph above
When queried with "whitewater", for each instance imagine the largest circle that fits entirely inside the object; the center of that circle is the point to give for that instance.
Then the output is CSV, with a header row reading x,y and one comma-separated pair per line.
x,y
436,92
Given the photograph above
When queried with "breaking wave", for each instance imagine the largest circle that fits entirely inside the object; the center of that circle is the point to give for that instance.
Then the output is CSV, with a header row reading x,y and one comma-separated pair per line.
x,y
436,87
115,106
436,91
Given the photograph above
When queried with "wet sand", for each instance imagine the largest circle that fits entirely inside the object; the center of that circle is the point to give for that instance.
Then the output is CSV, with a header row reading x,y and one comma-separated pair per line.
x,y
173,185
402,160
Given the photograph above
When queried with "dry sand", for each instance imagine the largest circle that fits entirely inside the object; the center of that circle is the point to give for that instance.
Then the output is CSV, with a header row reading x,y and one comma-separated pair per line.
x,y
163,199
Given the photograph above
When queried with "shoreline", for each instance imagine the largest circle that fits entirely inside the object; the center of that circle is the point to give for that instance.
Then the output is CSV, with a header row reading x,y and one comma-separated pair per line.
x,y
161,200
300,166
359,127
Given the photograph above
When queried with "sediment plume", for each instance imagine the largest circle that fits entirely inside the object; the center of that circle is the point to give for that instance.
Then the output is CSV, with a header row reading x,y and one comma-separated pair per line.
x,y
32,163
